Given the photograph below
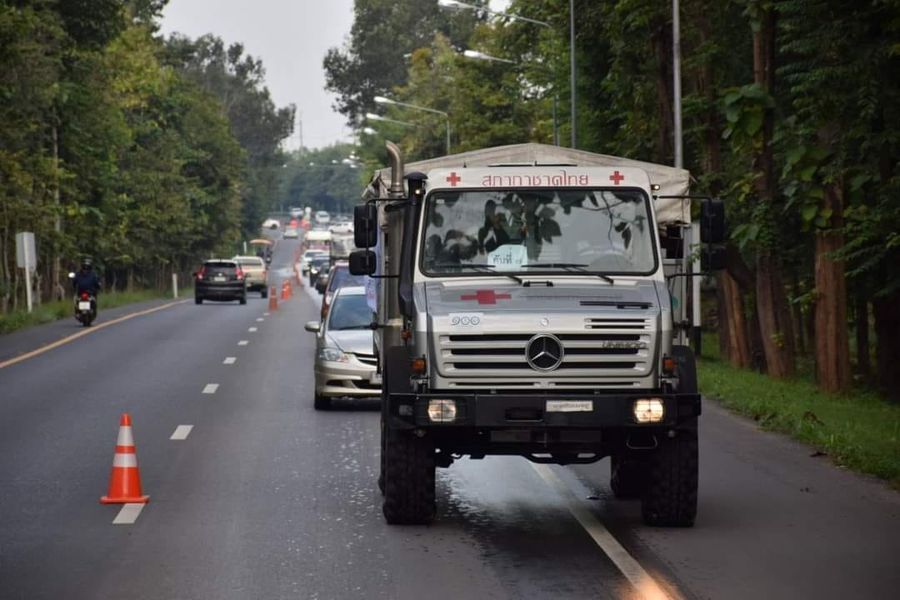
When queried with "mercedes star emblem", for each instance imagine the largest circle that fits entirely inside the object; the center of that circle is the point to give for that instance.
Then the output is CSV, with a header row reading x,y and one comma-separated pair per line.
x,y
544,352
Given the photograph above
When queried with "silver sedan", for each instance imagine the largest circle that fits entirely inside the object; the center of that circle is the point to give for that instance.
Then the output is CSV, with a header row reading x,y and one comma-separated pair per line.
x,y
345,361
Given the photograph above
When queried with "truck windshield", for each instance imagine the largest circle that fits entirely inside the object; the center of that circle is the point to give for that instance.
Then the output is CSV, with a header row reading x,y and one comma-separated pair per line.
x,y
566,231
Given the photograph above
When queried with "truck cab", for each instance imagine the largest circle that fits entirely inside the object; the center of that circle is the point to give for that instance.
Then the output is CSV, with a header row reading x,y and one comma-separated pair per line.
x,y
527,308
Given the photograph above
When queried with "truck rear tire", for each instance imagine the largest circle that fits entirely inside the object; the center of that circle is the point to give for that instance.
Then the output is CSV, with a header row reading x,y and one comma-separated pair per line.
x,y
628,477
670,498
409,478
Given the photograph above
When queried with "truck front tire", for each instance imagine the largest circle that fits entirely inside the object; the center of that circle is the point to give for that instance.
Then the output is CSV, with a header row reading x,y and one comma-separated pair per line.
x,y
670,497
409,478
407,460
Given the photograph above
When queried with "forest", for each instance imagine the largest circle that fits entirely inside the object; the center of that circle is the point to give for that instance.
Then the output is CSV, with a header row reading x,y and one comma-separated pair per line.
x,y
791,113
145,154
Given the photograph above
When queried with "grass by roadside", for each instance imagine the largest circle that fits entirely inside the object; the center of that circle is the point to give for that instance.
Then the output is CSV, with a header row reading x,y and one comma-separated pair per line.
x,y
53,311
860,430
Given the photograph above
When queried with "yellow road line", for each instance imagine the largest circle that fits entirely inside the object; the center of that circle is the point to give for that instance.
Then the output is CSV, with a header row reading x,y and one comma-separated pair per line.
x,y
83,332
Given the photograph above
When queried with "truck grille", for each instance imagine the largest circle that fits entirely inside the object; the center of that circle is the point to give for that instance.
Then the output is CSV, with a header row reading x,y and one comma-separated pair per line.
x,y
611,348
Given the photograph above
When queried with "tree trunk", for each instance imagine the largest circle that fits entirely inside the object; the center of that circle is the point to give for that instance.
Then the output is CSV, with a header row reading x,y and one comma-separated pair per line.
x,y
732,323
771,303
832,346
56,288
887,331
661,41
863,361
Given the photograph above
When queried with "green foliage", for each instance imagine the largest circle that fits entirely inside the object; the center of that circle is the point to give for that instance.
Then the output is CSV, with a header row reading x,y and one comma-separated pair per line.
x,y
323,179
235,80
106,150
384,32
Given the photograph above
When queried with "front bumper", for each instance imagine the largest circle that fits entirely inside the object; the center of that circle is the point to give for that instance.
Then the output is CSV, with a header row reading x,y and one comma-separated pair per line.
x,y
351,379
498,411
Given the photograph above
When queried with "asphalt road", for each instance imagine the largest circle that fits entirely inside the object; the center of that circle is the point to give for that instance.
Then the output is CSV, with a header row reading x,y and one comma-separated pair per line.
x,y
267,498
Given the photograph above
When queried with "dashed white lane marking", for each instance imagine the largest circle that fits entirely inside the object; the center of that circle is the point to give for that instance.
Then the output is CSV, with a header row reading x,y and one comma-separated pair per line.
x,y
243,343
229,360
646,586
129,514
260,320
210,388
181,432
252,329
265,314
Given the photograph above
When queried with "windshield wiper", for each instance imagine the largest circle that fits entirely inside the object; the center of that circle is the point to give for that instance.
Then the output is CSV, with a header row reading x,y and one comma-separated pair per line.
x,y
570,267
481,268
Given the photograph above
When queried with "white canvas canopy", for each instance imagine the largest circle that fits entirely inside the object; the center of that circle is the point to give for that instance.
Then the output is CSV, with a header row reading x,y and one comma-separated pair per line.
x,y
671,181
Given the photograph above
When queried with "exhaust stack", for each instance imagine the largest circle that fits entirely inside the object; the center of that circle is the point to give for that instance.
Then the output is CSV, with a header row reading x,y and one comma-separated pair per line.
x,y
396,190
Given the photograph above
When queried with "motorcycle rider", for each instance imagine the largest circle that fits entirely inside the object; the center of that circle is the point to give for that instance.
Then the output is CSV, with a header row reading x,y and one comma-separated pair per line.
x,y
86,280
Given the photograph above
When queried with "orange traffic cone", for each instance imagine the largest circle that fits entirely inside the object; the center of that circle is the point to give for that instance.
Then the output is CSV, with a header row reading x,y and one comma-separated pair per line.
x,y
273,298
285,293
125,480
290,288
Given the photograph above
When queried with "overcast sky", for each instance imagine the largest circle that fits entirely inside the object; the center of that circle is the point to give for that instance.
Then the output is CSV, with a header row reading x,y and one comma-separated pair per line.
x,y
291,37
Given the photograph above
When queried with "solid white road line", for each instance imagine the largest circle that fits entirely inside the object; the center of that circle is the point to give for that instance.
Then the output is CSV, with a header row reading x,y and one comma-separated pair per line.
x,y
229,360
646,586
210,388
129,514
243,343
84,332
181,432
252,329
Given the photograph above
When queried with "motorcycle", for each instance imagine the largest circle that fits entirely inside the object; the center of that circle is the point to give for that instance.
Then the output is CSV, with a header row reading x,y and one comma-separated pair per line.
x,y
85,306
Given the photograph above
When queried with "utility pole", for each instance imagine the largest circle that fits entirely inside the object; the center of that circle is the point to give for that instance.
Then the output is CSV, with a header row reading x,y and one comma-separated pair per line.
x,y
676,83
572,76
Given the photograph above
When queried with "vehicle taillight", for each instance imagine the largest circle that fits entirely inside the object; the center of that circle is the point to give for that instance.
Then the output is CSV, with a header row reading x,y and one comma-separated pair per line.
x,y
85,296
201,272
239,273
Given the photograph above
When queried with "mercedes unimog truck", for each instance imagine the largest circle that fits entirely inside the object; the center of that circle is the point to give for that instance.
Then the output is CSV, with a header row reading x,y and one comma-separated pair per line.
x,y
531,300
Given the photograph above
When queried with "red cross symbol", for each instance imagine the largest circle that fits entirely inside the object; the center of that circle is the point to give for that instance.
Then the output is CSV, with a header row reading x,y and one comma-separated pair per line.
x,y
485,297
616,177
454,179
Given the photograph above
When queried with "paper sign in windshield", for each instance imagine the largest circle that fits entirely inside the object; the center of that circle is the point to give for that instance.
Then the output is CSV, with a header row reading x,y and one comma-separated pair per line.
x,y
508,257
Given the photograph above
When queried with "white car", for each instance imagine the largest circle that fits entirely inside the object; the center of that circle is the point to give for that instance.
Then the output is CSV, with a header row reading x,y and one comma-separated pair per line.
x,y
322,217
342,227
291,233
271,224
345,355
307,257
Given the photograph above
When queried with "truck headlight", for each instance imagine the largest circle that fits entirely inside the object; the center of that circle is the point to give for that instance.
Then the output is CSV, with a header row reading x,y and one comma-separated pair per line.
x,y
649,410
330,354
442,411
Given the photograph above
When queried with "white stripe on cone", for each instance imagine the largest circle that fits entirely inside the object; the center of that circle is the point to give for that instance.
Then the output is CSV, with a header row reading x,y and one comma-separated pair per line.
x,y
126,437
125,460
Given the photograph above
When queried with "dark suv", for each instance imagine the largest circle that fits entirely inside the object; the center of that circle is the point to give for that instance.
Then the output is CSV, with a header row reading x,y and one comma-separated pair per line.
x,y
220,279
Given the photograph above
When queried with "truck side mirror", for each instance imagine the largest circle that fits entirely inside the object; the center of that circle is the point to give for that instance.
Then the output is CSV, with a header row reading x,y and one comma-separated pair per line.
x,y
712,258
365,223
712,221
362,262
